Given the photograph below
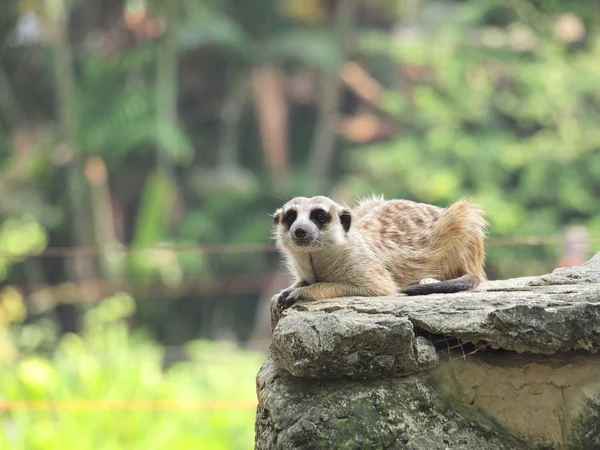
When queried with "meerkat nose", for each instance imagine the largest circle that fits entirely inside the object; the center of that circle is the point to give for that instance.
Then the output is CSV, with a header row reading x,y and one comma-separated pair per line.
x,y
300,232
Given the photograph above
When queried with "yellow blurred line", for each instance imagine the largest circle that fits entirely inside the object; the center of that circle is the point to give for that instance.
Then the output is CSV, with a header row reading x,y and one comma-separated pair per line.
x,y
119,405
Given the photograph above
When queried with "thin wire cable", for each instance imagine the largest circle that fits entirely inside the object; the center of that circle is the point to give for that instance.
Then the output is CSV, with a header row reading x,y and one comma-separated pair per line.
x,y
207,249
112,405
229,284
240,248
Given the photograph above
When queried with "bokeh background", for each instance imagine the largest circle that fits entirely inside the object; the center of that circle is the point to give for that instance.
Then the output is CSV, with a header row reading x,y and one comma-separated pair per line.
x,y
144,143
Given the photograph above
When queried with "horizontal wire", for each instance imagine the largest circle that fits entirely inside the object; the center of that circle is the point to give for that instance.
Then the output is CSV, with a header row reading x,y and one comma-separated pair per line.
x,y
216,249
227,282
112,405
222,285
526,241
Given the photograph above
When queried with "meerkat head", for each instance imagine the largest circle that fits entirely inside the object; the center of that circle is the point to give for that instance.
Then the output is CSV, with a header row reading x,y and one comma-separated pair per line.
x,y
310,223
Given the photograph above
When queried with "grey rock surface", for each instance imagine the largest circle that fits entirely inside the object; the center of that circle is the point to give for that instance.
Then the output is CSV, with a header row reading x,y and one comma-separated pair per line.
x,y
364,373
348,343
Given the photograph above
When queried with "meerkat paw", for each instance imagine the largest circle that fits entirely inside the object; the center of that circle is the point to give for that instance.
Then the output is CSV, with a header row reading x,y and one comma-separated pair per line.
x,y
428,281
289,296
282,299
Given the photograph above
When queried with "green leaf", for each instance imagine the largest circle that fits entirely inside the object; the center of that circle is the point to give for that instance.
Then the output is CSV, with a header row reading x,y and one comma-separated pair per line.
x,y
314,48
219,32
152,219
174,142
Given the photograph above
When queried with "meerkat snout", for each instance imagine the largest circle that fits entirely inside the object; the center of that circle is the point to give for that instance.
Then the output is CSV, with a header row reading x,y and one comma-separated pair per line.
x,y
300,232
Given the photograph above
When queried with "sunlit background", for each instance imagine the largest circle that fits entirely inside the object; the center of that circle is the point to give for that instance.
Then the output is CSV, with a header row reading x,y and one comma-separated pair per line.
x,y
144,143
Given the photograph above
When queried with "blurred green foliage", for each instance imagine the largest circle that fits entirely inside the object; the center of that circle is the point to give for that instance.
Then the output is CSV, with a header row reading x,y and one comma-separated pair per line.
x,y
516,129
108,363
18,239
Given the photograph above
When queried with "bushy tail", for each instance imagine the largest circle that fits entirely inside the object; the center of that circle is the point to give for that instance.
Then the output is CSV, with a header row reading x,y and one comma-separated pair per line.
x,y
458,239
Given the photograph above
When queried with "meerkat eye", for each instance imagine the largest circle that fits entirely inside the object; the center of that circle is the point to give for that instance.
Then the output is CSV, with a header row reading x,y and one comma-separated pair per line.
x,y
319,216
290,216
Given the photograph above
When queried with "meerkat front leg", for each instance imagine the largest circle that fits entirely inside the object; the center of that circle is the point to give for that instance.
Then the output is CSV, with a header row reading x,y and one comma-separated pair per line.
x,y
320,291
317,291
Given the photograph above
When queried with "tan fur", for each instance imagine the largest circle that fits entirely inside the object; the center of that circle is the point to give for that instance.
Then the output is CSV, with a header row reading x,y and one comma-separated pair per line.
x,y
389,245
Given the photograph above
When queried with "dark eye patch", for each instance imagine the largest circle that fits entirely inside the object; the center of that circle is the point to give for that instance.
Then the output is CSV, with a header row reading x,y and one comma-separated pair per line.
x,y
320,217
289,217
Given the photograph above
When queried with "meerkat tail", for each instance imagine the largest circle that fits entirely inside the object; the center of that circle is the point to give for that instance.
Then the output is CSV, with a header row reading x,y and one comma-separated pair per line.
x,y
458,238
460,284
463,220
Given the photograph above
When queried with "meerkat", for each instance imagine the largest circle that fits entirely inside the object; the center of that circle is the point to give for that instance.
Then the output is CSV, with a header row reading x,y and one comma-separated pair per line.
x,y
379,248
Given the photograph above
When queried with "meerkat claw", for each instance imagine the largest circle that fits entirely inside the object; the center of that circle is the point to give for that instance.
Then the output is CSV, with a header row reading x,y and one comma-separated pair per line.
x,y
289,297
286,299
281,300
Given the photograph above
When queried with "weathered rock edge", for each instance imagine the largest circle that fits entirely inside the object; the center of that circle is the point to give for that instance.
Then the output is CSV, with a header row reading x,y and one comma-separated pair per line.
x,y
362,338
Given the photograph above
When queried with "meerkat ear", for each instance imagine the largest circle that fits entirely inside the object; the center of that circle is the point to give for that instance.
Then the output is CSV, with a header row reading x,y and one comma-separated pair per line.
x,y
277,217
345,219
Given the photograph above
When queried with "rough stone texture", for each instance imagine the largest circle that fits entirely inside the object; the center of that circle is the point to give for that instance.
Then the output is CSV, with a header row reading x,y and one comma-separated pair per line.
x,y
318,344
546,400
392,413
363,372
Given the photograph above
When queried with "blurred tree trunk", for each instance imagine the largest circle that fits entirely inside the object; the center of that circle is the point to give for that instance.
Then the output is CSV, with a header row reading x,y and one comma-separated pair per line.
x,y
326,130
112,262
157,208
80,267
272,114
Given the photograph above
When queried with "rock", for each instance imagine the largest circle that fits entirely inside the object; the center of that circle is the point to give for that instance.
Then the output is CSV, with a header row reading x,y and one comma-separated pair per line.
x,y
391,413
498,402
512,364
549,401
347,343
